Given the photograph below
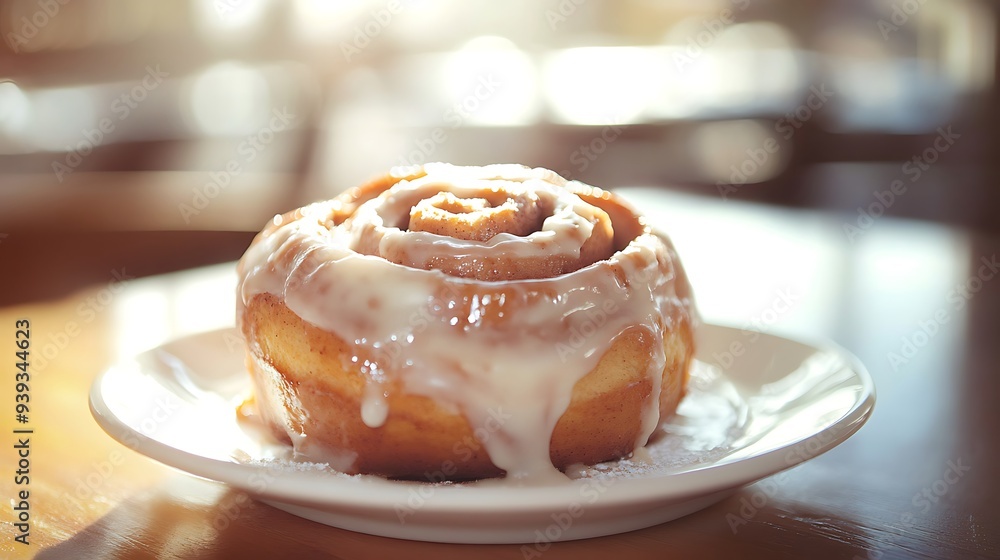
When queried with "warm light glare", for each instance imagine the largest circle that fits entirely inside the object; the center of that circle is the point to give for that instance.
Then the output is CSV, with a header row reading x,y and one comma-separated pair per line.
x,y
59,117
15,110
749,268
492,83
757,62
143,314
326,21
910,260
155,310
230,15
198,307
601,85
730,69
229,98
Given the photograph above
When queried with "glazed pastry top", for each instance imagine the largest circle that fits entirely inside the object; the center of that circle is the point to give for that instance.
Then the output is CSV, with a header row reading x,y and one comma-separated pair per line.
x,y
492,290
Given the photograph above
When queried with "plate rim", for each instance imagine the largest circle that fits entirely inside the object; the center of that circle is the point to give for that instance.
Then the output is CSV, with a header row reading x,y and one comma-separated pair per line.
x,y
376,493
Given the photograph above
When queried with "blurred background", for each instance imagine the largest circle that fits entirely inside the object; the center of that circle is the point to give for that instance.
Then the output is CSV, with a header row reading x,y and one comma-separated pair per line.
x,y
164,134
827,169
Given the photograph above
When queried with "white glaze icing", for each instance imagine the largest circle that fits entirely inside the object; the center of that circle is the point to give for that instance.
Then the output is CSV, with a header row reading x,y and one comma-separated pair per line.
x,y
374,407
520,365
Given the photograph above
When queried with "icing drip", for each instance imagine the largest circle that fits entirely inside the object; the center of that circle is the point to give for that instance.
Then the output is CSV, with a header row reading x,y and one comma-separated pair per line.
x,y
426,306
374,408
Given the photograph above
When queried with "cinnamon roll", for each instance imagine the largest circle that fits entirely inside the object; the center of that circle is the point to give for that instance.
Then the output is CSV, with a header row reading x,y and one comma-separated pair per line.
x,y
465,322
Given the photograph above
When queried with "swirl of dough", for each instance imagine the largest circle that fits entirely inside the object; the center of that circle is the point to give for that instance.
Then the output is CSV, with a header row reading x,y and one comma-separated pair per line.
x,y
471,225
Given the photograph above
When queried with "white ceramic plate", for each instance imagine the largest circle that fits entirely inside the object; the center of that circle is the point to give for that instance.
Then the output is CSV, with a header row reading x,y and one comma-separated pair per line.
x,y
746,417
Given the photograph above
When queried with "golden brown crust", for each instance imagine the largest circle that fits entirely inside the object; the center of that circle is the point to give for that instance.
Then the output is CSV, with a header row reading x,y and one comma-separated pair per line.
x,y
434,314
305,383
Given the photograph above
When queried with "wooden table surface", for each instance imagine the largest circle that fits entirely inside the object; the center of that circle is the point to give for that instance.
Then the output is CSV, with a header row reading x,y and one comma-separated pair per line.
x,y
918,481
